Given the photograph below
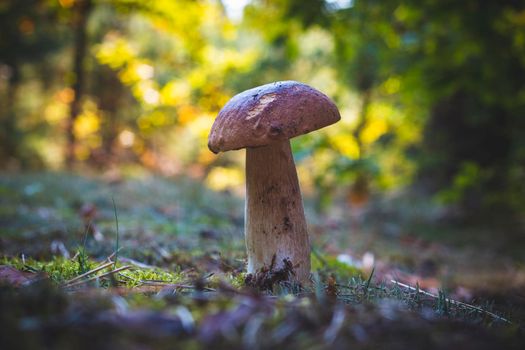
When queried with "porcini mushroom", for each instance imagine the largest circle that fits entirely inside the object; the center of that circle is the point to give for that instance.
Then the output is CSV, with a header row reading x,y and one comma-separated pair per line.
x,y
262,120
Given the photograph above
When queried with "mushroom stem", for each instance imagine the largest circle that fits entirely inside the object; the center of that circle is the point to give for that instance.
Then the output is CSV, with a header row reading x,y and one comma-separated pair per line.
x,y
274,222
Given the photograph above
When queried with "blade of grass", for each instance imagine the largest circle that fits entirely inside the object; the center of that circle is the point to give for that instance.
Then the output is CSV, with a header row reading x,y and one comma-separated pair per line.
x,y
370,278
81,254
117,241
86,231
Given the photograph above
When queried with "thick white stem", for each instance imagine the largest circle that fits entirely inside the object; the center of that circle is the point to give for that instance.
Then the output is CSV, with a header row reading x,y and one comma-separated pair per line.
x,y
274,223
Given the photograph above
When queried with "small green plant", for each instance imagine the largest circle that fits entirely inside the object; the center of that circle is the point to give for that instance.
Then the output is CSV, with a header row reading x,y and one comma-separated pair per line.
x,y
443,304
367,286
82,259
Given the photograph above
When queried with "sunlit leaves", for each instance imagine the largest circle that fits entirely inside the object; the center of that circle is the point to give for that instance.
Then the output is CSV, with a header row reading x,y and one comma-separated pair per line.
x,y
346,145
86,129
115,51
176,92
176,61
222,178
391,85
88,122
134,71
58,107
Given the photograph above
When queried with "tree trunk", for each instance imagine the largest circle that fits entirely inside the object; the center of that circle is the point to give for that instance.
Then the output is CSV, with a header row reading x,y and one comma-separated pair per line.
x,y
8,130
81,14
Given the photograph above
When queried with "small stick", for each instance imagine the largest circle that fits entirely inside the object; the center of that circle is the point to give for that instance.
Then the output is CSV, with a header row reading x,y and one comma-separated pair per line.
x,y
135,262
208,275
90,272
109,258
173,285
452,301
99,276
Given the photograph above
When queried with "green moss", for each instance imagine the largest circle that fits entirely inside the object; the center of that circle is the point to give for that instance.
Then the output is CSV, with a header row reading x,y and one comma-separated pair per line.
x,y
329,265
237,281
58,269
136,276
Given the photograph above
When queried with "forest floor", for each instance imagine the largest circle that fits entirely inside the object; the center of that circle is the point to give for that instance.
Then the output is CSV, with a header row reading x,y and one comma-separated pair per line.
x,y
391,276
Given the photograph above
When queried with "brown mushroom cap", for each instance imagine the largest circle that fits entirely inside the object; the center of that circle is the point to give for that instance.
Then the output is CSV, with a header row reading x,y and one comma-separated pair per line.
x,y
269,113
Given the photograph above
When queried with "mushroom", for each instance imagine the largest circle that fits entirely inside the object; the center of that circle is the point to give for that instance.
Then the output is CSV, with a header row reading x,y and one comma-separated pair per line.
x,y
262,120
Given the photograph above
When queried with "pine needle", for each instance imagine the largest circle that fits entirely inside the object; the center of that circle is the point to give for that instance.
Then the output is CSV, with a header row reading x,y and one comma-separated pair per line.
x,y
451,301
98,276
90,272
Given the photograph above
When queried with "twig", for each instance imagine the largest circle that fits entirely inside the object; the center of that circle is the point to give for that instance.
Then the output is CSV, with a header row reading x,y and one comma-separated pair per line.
x,y
90,272
98,276
173,285
452,301
110,258
208,275
136,263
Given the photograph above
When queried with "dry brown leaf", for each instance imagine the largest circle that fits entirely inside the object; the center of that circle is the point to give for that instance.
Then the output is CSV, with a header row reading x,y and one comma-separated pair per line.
x,y
11,276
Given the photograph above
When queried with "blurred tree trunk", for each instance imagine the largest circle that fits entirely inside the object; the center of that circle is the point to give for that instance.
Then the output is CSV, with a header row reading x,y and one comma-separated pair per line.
x,y
8,128
363,120
358,193
459,132
111,92
82,10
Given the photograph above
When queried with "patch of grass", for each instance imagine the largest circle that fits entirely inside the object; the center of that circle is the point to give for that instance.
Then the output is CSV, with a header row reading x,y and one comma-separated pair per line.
x,y
58,269
237,317
350,287
61,270
327,265
194,294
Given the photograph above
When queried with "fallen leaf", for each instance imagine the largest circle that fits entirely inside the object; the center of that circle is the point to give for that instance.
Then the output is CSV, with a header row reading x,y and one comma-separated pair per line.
x,y
11,276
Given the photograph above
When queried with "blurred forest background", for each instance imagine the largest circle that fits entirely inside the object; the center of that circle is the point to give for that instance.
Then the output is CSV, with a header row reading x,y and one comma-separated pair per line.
x,y
431,93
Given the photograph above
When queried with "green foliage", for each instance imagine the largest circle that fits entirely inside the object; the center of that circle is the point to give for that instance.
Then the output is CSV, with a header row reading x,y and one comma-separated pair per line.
x,y
456,62
82,259
425,88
